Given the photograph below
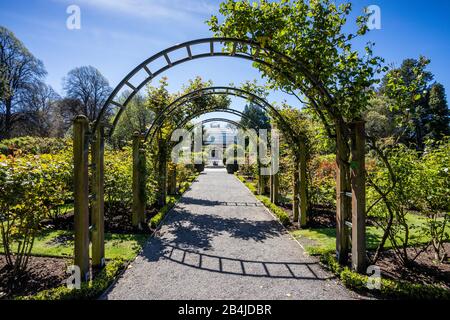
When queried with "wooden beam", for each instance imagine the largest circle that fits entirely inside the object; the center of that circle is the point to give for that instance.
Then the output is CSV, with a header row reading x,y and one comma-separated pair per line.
x,y
358,181
81,194
303,185
98,205
342,200
296,192
138,210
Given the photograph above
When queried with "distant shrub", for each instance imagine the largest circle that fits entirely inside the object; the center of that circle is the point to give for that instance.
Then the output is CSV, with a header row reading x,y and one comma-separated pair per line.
x,y
33,145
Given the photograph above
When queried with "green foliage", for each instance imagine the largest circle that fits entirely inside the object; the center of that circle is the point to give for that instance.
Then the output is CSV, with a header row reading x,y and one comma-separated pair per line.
x,y
419,108
158,218
432,197
256,116
250,185
322,177
389,288
90,290
33,145
136,117
31,188
311,32
118,179
437,124
277,211
421,183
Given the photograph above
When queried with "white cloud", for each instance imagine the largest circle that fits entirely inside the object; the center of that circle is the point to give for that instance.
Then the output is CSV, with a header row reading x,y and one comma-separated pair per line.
x,y
166,9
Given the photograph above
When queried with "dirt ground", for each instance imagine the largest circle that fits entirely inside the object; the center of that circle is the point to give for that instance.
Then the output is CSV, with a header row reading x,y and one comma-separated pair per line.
x,y
43,273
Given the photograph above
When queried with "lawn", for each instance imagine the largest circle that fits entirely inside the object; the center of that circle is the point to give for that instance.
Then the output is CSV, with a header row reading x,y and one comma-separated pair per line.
x,y
321,241
59,243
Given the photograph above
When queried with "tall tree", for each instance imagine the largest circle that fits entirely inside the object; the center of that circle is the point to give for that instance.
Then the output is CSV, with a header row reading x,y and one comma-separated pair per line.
x,y
40,110
419,107
257,115
437,122
87,85
408,87
136,117
19,70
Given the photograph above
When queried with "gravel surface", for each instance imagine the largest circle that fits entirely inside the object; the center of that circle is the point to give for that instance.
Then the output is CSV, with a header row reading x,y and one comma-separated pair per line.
x,y
219,242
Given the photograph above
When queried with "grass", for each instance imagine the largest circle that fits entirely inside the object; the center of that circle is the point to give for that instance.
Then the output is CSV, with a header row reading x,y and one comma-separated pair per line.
x,y
60,243
323,240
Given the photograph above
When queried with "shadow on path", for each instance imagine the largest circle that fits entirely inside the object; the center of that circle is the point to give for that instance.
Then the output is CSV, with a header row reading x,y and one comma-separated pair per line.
x,y
198,230
232,266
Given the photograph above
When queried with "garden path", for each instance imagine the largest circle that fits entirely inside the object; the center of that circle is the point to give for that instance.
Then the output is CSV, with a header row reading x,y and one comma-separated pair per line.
x,y
219,242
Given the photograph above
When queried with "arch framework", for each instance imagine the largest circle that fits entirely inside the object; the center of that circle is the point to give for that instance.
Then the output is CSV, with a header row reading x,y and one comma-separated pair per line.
x,y
350,211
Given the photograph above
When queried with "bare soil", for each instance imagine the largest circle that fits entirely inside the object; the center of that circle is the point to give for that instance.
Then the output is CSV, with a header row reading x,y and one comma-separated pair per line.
x,y
42,273
117,219
424,269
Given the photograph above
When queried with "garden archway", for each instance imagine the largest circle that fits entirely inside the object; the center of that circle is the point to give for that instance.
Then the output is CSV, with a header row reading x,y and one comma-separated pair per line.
x,y
230,47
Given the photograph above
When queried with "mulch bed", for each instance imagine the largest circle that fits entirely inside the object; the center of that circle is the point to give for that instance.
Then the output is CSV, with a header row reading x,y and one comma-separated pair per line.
x,y
424,269
117,220
43,273
320,216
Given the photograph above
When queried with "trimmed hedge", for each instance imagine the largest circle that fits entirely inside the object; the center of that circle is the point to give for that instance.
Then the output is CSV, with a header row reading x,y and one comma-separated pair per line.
x,y
156,220
389,288
250,185
171,201
90,290
277,211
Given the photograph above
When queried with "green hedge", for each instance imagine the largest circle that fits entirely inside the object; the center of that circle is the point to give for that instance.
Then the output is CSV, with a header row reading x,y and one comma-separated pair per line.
x,y
34,145
277,211
90,290
389,288
156,220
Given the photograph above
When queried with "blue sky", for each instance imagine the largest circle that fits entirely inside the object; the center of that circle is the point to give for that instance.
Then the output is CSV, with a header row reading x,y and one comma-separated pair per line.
x,y
116,35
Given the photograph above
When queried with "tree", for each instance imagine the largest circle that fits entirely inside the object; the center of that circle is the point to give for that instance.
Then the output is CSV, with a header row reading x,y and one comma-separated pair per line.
x,y
380,122
437,121
257,115
88,86
40,114
419,112
20,70
136,117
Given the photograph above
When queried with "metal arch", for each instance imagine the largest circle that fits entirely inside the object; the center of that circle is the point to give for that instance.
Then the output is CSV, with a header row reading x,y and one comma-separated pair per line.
x,y
256,53
212,110
202,92
235,123
206,111
219,90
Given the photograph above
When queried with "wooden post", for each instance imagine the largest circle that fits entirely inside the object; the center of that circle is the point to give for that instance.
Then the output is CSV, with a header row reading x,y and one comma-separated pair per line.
x,y
172,180
358,181
138,182
98,205
142,183
162,171
303,186
342,199
274,186
81,194
295,192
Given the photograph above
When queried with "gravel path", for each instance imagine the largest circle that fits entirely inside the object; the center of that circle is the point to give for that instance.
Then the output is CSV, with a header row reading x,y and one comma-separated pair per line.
x,y
219,242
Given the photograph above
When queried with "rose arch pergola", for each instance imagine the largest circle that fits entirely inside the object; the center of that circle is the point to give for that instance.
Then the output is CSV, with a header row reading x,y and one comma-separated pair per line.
x,y
350,176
